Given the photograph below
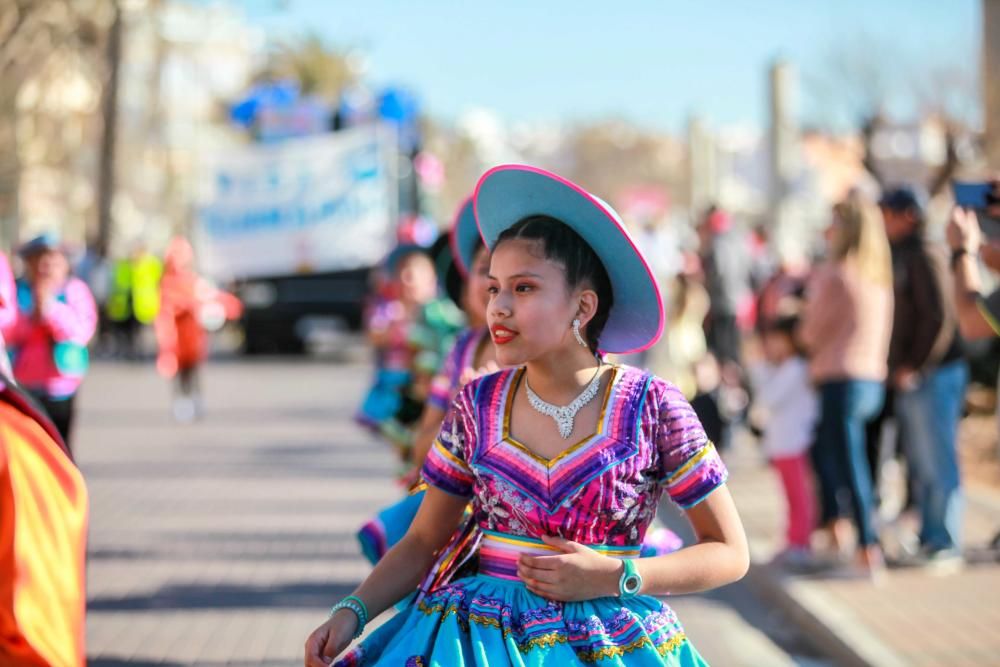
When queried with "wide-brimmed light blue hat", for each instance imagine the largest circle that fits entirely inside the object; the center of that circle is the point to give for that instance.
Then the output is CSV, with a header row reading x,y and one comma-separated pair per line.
x,y
464,237
509,193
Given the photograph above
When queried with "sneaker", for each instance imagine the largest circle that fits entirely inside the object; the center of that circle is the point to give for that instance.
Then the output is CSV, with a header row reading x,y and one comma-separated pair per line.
x,y
901,542
797,559
184,410
943,562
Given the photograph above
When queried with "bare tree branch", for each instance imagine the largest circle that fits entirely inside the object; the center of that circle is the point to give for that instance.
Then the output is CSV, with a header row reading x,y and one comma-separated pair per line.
x,y
939,181
868,128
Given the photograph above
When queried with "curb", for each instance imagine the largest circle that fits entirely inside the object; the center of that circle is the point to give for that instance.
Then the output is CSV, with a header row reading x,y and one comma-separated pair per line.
x,y
826,623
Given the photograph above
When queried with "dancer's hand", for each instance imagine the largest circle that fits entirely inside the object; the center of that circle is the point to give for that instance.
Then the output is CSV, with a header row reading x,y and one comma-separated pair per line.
x,y
578,573
328,640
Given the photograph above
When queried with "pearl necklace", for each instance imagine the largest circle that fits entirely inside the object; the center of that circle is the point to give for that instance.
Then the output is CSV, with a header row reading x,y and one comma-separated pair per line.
x,y
565,414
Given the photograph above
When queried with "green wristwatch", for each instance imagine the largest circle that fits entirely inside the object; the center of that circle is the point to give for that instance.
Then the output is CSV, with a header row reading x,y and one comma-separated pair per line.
x,y
631,581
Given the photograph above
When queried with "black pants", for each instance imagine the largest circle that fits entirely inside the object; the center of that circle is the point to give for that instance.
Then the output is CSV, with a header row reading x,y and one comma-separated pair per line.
x,y
724,338
60,411
879,452
187,381
125,334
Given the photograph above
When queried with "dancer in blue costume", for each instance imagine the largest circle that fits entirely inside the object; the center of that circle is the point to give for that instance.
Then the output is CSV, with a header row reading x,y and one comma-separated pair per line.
x,y
559,580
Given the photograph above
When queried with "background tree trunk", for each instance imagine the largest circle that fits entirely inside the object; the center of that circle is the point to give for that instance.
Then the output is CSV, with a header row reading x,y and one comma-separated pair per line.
x,y
109,113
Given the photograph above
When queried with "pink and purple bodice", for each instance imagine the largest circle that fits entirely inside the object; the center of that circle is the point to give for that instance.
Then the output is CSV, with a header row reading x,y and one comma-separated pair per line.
x,y
602,490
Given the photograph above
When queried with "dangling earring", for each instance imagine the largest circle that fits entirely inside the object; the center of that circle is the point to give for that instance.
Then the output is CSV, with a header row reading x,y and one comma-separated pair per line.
x,y
576,333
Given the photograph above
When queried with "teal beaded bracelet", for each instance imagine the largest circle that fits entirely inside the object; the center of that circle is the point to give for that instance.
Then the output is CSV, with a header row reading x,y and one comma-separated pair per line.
x,y
357,605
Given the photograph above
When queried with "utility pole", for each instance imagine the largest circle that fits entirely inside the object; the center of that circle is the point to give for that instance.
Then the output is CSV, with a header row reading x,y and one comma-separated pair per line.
x,y
109,111
784,145
702,166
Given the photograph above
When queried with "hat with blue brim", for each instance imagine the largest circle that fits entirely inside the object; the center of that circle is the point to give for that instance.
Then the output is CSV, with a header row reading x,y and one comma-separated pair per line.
x,y
396,256
509,193
464,237
41,243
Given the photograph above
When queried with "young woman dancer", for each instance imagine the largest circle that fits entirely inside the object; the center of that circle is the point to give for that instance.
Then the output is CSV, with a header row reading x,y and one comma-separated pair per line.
x,y
558,581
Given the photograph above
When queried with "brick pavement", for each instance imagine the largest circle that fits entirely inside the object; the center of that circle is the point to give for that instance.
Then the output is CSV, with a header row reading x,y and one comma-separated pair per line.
x,y
223,542
912,619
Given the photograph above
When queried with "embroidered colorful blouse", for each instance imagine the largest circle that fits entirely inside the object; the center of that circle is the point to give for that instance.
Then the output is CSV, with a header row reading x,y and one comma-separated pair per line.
x,y
602,490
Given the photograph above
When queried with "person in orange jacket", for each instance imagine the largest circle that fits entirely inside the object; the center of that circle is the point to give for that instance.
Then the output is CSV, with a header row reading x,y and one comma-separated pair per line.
x,y
188,303
43,527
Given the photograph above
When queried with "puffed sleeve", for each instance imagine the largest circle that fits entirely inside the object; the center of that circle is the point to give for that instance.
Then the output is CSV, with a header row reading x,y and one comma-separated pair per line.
x,y
446,466
690,467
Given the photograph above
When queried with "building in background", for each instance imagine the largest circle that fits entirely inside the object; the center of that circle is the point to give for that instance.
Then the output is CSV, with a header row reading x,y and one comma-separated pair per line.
x,y
180,62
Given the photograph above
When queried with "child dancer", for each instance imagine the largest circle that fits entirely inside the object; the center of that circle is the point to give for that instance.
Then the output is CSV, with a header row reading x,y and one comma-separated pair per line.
x,y
783,389
564,458
393,404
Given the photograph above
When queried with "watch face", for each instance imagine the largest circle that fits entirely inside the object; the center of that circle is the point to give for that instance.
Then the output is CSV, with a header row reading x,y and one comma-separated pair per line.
x,y
632,584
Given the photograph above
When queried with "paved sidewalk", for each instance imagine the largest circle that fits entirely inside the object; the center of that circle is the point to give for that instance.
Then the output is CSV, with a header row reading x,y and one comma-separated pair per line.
x,y
913,618
222,543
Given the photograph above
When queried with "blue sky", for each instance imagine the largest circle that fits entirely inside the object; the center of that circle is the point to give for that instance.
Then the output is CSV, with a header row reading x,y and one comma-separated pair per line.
x,y
652,62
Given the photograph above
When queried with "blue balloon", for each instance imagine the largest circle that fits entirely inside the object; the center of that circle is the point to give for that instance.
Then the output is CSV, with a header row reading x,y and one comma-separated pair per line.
x,y
398,105
269,95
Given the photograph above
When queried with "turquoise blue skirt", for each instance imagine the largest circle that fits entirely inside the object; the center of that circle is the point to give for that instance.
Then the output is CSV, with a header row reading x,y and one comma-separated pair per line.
x,y
488,621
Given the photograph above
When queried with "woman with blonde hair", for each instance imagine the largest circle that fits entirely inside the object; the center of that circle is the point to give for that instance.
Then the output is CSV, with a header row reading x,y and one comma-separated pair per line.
x,y
846,326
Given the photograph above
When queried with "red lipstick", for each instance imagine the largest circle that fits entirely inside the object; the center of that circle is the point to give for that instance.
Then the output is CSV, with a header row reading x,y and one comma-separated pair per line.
x,y
502,335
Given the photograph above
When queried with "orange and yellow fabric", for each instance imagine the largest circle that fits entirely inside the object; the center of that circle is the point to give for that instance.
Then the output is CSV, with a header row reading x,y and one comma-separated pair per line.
x,y
43,527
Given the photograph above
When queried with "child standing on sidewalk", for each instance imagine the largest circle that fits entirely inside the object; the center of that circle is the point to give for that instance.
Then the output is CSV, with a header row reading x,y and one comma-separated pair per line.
x,y
783,391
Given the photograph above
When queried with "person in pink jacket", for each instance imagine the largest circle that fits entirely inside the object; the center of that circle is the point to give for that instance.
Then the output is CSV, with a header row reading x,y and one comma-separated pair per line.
x,y
47,342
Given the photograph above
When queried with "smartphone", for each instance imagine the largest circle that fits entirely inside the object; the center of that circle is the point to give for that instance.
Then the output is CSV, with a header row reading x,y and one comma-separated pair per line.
x,y
979,197
973,195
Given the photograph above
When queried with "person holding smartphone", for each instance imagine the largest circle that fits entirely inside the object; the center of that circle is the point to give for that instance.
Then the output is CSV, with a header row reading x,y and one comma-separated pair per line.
x,y
978,314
